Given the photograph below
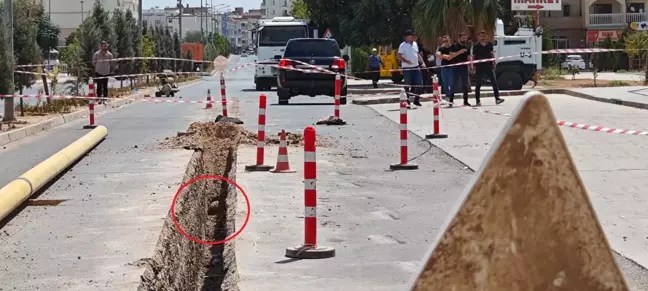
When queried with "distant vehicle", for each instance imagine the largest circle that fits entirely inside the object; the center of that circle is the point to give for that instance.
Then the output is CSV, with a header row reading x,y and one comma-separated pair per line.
x,y
271,43
319,52
52,60
574,61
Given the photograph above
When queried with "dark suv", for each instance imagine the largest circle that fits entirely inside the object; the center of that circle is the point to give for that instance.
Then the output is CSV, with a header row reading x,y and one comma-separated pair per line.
x,y
305,53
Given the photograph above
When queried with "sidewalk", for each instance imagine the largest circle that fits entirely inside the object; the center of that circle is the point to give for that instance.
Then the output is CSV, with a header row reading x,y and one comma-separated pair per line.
x,y
613,167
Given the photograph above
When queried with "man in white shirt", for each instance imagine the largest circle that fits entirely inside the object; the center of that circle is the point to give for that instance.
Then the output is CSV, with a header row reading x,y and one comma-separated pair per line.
x,y
410,60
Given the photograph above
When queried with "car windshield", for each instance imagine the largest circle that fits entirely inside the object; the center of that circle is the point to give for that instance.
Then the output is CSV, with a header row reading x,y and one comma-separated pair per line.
x,y
280,35
312,48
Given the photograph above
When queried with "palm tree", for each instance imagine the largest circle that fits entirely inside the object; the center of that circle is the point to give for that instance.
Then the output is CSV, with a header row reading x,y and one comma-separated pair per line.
x,y
434,18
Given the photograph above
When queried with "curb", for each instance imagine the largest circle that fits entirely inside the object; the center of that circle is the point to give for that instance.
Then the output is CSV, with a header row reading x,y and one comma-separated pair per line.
x,y
396,99
21,133
17,191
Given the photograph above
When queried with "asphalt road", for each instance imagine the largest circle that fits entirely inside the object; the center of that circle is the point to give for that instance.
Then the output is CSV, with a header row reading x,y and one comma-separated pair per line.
x,y
380,222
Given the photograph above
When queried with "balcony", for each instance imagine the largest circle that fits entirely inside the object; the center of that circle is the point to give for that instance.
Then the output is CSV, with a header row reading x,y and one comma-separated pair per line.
x,y
615,19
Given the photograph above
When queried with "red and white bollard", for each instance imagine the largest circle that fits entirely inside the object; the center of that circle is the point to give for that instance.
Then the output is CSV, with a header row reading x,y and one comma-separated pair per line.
x,y
91,105
223,96
338,89
436,96
404,164
310,249
260,138
209,103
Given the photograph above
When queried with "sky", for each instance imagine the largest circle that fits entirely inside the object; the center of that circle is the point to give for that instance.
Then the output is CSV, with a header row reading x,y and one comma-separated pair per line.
x,y
246,4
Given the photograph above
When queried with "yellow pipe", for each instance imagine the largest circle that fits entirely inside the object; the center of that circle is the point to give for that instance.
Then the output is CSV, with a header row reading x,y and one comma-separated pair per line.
x,y
17,191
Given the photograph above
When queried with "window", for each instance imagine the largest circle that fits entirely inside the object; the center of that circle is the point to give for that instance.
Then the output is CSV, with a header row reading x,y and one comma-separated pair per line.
x,y
560,42
285,3
279,35
314,47
274,2
514,41
566,10
601,8
157,22
635,8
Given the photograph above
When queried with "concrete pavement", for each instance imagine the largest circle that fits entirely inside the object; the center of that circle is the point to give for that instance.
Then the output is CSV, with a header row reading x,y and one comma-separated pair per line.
x,y
118,197
611,165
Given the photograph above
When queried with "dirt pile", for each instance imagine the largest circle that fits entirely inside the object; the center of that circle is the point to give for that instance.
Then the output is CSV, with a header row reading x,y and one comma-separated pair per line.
x,y
293,139
331,120
206,210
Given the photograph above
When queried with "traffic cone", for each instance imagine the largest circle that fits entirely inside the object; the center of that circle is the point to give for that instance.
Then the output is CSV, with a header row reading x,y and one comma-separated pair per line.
x,y
283,166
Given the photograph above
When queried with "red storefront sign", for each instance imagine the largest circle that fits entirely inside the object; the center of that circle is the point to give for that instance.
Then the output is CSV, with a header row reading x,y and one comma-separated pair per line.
x,y
601,35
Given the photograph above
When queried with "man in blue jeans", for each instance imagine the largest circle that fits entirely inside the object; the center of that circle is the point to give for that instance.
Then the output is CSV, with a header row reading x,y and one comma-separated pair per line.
x,y
410,61
447,53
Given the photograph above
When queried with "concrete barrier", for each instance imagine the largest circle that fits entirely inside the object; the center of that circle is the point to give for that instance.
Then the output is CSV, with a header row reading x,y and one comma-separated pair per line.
x,y
17,191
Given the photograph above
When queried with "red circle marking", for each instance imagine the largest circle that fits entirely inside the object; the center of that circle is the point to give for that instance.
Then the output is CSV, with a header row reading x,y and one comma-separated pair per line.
x,y
209,177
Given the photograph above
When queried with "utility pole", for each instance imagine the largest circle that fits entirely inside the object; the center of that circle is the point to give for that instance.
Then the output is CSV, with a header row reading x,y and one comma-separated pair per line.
x,y
9,102
82,11
202,32
180,20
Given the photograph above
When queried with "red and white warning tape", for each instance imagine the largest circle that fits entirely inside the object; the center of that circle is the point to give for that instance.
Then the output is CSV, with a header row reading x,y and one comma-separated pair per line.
x,y
596,128
40,96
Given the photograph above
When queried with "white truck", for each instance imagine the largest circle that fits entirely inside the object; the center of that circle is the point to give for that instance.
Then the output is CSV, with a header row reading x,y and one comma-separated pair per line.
x,y
273,34
512,73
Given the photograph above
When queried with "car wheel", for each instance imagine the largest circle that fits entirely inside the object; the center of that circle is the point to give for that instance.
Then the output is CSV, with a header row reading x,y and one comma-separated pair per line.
x,y
509,81
283,95
343,92
259,87
343,101
158,94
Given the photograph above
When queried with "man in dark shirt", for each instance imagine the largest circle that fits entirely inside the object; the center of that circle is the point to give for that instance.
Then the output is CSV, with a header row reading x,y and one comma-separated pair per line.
x,y
461,72
374,65
446,55
484,50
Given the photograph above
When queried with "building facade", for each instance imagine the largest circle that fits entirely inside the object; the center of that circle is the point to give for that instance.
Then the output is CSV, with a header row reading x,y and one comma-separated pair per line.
x,y
586,23
69,14
275,8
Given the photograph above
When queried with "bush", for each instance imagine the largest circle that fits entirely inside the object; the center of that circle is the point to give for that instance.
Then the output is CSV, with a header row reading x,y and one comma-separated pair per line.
x,y
552,73
42,107
617,83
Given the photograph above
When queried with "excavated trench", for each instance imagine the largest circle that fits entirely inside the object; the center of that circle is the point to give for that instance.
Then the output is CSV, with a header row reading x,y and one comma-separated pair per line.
x,y
206,210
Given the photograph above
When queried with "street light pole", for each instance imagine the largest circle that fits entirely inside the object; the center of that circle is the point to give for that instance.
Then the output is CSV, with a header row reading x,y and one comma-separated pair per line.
x,y
180,20
9,102
82,11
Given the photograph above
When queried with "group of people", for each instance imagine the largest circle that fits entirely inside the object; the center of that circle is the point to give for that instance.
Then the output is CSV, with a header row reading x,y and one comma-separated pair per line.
x,y
447,56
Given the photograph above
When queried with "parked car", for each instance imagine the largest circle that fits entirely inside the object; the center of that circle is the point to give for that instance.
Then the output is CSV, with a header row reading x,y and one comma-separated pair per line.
x,y
305,54
574,61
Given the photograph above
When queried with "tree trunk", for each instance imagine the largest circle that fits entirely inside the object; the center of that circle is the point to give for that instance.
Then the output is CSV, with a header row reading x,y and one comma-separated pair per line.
x,y
22,109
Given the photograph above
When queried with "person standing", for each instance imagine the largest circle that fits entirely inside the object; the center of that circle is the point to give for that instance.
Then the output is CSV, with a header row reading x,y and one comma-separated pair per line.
x,y
446,54
410,60
374,64
461,71
102,61
481,51
437,60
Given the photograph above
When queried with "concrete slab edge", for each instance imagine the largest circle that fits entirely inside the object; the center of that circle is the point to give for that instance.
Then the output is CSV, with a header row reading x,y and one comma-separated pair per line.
x,y
386,100
21,133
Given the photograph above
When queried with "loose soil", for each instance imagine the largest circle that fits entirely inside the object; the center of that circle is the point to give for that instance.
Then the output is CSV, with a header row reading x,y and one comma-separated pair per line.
x,y
189,139
206,210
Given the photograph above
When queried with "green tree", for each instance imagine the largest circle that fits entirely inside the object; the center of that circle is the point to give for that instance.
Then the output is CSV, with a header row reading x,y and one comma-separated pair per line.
x,y
89,38
177,51
48,32
188,65
434,18
168,48
148,50
72,55
123,46
134,27
6,61
635,45
300,10
193,37
102,22
210,52
26,47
